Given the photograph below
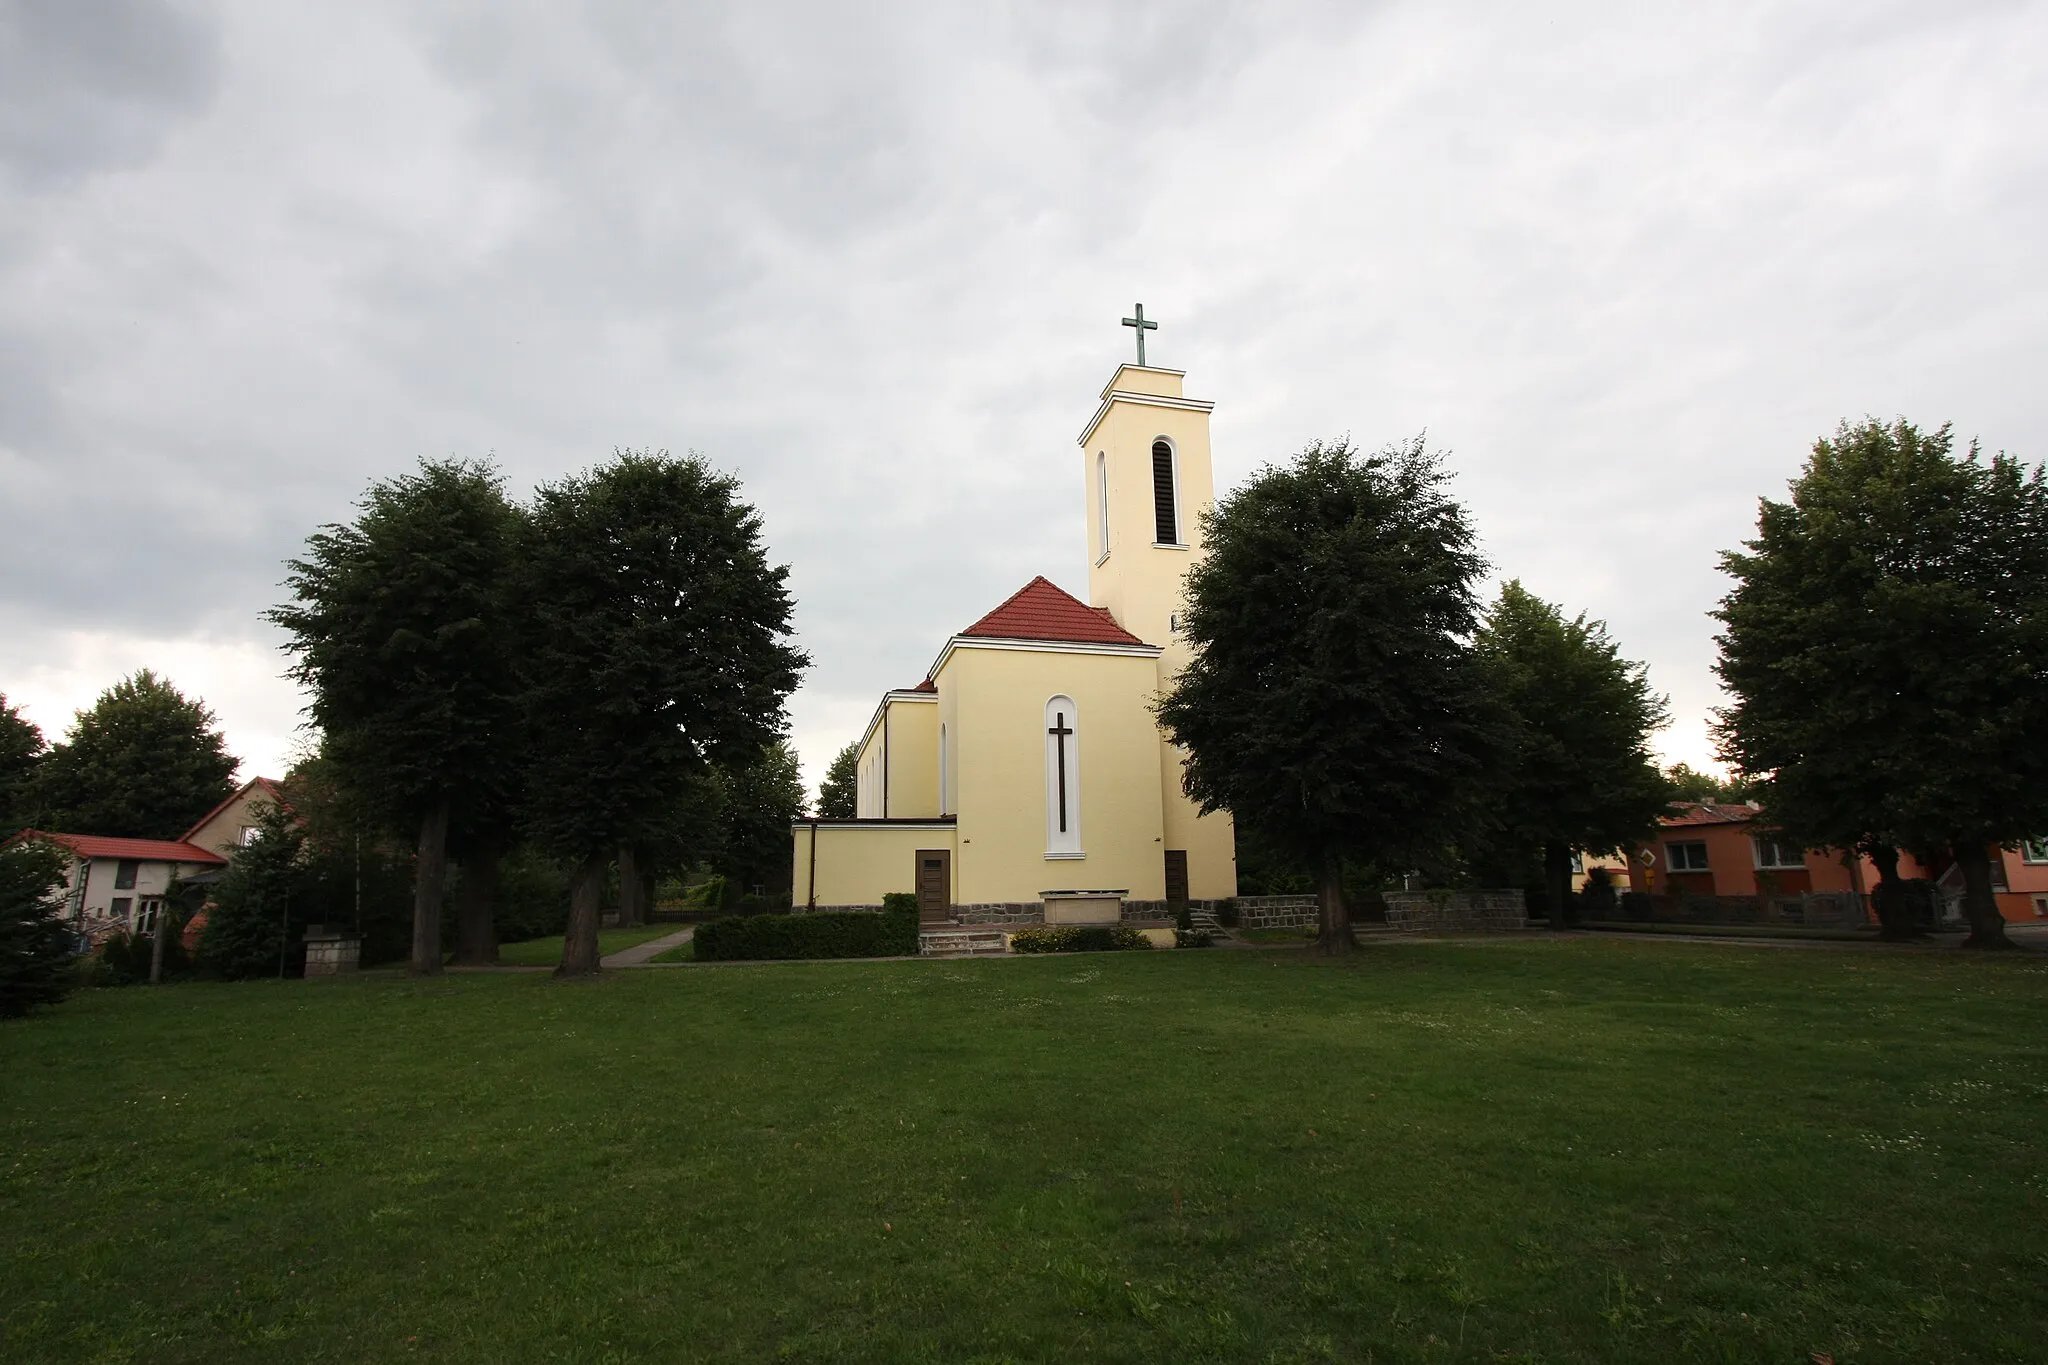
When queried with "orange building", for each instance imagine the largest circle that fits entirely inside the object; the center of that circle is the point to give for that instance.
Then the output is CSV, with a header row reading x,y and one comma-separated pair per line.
x,y
1707,848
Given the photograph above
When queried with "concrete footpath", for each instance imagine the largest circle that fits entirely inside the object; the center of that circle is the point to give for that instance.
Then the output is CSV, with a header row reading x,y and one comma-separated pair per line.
x,y
640,954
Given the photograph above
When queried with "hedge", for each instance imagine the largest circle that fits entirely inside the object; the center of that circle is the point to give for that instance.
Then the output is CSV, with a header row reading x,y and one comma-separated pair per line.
x,y
891,932
1077,938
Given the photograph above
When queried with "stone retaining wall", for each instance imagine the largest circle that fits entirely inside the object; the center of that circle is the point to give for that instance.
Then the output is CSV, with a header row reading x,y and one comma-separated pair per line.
x,y
1456,911
1274,912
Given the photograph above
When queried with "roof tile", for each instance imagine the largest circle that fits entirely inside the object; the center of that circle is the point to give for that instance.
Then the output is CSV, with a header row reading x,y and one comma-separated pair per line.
x,y
1042,611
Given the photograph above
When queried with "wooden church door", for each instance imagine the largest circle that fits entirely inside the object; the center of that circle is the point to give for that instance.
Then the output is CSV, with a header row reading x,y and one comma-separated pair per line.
x,y
1176,879
934,885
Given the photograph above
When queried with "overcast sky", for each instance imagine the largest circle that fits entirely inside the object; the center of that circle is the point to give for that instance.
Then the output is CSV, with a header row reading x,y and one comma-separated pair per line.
x,y
1624,263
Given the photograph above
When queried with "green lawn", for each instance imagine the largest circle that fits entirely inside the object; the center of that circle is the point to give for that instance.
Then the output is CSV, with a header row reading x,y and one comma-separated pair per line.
x,y
1612,1148
547,952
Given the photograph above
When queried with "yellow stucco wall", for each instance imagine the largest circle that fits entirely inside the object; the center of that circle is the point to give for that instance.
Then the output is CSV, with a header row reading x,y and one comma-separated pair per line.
x,y
998,710
901,747
859,864
913,757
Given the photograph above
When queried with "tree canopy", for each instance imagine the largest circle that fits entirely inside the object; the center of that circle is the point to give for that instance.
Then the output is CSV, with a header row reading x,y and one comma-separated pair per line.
x,y
1577,773
1885,647
143,762
763,798
658,646
1334,703
403,626
838,793
35,947
21,756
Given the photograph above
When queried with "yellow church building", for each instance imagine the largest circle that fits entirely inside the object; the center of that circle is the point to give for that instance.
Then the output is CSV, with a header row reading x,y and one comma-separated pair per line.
x,y
1025,779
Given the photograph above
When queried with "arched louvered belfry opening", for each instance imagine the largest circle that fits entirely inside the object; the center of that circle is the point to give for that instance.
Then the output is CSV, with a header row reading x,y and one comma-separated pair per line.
x,y
1165,494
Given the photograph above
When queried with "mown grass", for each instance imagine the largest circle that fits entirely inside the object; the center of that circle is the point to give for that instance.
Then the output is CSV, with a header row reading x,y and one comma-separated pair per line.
x,y
1603,1149
547,952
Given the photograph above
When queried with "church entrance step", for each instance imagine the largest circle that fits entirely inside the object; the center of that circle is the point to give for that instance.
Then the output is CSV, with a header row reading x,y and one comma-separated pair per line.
x,y
961,943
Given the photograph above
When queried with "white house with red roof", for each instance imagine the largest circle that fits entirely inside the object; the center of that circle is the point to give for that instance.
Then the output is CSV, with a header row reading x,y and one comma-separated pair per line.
x,y
118,885
1025,777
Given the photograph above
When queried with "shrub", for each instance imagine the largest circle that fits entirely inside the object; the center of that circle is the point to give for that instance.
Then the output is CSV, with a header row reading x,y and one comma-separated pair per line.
x,y
125,957
35,947
1077,938
1193,938
1184,920
857,933
1226,912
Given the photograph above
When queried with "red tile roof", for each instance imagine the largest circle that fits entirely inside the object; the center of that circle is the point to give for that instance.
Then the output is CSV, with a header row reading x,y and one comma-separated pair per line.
x,y
1710,813
270,788
144,850
1041,611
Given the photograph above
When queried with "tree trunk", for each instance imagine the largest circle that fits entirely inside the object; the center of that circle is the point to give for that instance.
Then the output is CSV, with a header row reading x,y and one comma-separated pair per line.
x,y
156,942
1888,898
630,910
1333,934
1557,885
586,904
429,877
476,929
1980,905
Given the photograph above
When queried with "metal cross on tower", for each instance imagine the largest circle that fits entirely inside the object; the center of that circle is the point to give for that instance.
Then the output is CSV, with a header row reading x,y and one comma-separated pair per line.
x,y
1142,327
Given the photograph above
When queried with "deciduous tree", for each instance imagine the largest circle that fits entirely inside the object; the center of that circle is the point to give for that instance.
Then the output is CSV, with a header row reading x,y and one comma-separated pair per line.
x,y
21,754
838,793
144,762
1886,648
1334,703
1578,772
403,626
659,646
764,797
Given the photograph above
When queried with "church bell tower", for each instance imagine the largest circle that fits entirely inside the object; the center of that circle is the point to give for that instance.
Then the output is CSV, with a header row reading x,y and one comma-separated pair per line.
x,y
1145,458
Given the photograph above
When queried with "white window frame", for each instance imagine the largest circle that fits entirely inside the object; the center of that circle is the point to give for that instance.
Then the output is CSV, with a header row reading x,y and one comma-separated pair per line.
x,y
1062,843
1671,855
2034,850
1180,525
1757,844
1102,505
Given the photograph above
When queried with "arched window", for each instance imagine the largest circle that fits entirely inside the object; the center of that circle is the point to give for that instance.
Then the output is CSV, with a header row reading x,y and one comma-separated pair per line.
x,y
1101,507
1062,780
945,787
1165,495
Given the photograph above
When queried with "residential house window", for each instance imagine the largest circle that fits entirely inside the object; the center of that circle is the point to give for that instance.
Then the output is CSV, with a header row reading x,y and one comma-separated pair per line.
x,y
1686,857
124,875
145,916
1578,864
119,907
2034,850
250,834
1775,855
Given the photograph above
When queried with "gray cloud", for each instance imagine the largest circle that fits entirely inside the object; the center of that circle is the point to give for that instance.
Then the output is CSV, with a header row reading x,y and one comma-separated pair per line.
x,y
1625,267
97,87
